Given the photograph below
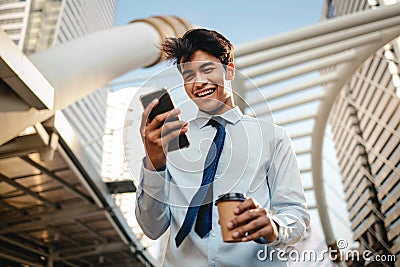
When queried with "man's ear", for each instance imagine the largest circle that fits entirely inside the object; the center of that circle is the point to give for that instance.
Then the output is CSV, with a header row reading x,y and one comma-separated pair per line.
x,y
230,71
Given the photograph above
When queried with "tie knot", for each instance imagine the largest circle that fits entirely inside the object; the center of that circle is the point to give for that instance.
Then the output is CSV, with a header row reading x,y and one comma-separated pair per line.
x,y
214,123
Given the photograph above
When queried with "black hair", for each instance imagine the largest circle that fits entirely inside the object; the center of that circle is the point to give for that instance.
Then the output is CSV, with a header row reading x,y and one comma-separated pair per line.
x,y
181,49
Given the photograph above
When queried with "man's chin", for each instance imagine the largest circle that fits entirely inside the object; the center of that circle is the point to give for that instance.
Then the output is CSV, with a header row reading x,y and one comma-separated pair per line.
x,y
214,110
211,106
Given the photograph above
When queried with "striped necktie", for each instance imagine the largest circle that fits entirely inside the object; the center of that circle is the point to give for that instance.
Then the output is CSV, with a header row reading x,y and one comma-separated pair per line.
x,y
203,196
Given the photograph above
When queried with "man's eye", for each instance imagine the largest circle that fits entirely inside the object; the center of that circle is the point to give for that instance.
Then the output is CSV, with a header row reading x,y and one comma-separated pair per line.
x,y
188,77
208,70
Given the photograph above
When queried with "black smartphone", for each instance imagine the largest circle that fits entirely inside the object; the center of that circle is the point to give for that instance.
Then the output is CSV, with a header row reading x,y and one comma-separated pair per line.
x,y
165,104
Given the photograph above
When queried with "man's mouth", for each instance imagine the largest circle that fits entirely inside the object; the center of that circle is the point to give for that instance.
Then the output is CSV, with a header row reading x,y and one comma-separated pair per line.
x,y
206,92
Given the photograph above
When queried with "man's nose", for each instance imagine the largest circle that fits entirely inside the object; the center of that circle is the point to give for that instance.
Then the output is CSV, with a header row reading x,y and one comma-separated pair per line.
x,y
200,80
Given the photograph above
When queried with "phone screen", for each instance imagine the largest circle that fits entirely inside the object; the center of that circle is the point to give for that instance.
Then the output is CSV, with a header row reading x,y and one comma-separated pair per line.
x,y
165,104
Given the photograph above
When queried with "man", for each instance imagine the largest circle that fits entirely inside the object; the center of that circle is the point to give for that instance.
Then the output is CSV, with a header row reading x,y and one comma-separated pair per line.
x,y
249,156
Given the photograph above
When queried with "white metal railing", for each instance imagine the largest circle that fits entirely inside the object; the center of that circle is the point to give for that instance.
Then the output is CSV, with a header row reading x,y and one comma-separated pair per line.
x,y
333,49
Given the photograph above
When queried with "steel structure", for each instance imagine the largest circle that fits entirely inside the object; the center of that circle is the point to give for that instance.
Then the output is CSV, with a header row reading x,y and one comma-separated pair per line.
x,y
55,210
302,72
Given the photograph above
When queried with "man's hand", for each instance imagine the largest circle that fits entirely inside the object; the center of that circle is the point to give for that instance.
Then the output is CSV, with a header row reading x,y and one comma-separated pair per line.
x,y
157,134
253,220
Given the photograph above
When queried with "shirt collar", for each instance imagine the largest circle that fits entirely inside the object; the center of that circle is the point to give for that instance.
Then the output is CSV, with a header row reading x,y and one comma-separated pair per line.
x,y
231,116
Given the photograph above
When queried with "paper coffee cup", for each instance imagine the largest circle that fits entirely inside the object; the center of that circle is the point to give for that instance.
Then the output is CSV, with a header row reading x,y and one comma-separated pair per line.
x,y
226,204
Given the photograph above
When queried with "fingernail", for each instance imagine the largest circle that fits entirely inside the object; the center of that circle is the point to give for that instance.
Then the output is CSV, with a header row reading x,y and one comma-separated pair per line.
x,y
235,234
244,239
230,224
236,210
155,100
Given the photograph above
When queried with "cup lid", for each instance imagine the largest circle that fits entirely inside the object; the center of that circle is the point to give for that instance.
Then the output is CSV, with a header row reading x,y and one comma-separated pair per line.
x,y
231,197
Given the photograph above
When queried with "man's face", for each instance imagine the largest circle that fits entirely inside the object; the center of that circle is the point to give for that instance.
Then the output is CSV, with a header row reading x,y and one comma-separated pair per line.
x,y
205,79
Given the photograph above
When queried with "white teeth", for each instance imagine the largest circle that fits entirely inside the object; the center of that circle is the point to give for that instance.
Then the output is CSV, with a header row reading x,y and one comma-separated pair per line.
x,y
205,92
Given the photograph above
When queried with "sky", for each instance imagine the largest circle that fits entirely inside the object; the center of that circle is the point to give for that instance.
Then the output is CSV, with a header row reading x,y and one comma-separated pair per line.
x,y
239,21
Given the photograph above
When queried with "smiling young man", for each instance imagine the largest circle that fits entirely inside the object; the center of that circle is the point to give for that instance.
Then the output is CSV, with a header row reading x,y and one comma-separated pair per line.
x,y
249,156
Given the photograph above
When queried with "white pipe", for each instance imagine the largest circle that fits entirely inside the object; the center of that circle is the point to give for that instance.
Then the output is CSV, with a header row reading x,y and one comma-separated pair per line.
x,y
345,71
312,54
296,119
325,62
81,66
303,45
327,77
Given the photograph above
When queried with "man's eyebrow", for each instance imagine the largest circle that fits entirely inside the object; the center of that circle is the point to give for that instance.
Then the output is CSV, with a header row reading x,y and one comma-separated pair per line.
x,y
202,66
205,65
186,72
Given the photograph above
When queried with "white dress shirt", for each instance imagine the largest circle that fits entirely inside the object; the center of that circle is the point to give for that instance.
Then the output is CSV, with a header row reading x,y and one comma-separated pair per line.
x,y
257,159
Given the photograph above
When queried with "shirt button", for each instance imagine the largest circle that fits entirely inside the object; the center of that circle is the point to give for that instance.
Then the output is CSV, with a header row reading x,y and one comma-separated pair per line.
x,y
213,263
213,234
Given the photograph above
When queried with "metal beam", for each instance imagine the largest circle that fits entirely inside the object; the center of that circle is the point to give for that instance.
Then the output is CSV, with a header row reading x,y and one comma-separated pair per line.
x,y
309,55
83,196
306,68
328,77
361,33
303,152
11,207
298,102
84,251
345,72
58,216
21,146
296,46
21,245
27,191
10,257
102,238
328,26
23,77
301,135
296,119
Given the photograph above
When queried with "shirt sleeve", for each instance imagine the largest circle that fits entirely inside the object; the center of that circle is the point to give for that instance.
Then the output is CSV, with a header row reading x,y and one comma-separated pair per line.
x,y
288,202
152,210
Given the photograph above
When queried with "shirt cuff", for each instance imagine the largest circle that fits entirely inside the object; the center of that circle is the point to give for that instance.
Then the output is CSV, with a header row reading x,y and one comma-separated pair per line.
x,y
284,233
264,241
286,225
153,182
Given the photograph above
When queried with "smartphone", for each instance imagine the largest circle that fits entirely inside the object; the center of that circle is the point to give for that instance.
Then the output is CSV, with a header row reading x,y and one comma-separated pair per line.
x,y
165,104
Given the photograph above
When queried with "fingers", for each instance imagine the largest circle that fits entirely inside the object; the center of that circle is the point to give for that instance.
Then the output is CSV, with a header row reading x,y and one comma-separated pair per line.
x,y
263,232
257,225
174,134
253,224
146,113
246,217
173,125
161,137
160,119
246,205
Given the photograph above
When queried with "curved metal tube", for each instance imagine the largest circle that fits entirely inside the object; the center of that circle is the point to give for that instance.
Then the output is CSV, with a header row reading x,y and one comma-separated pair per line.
x,y
81,66
345,71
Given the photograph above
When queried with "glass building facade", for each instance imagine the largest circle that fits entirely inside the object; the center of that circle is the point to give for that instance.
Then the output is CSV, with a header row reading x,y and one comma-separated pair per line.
x,y
39,24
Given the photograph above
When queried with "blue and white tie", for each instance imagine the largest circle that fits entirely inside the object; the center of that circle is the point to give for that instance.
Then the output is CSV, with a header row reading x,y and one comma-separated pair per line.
x,y
204,212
